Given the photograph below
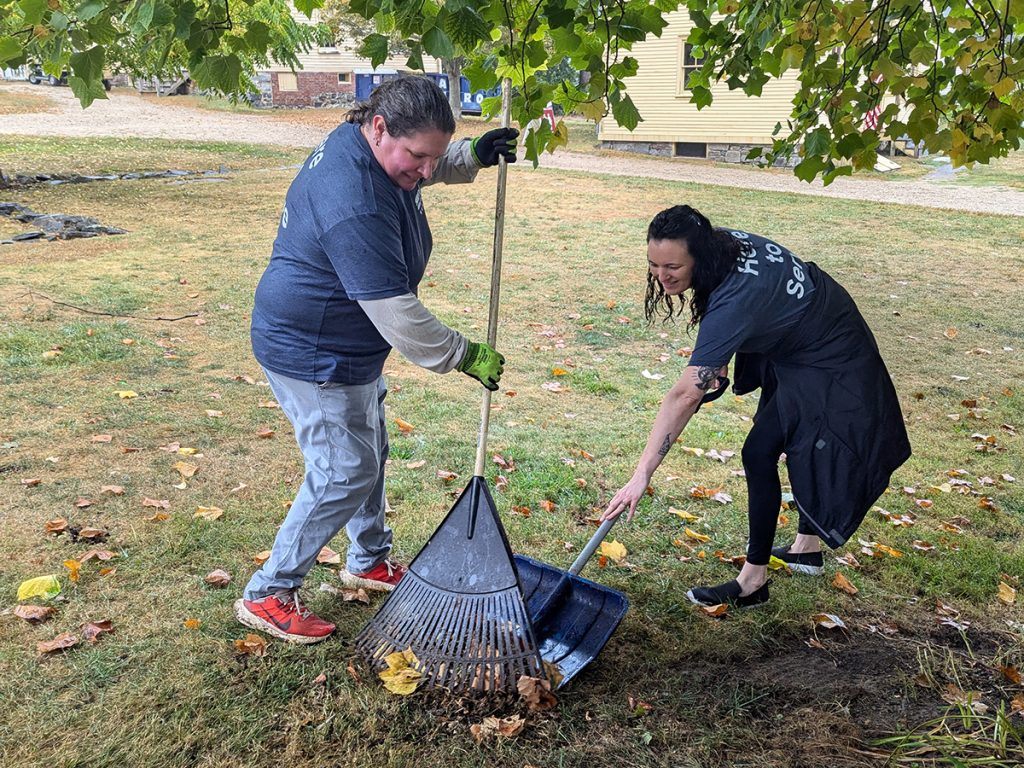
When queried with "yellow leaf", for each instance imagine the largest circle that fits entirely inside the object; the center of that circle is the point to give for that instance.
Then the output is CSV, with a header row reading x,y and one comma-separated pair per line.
x,y
613,550
192,623
208,513
401,676
126,394
188,451
692,451
1007,594
261,557
692,534
50,354
682,514
715,611
775,564
184,469
41,586
73,567
559,372
404,426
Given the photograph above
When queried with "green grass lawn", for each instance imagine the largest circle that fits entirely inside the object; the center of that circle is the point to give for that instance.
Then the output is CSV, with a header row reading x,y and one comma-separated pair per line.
x,y
927,634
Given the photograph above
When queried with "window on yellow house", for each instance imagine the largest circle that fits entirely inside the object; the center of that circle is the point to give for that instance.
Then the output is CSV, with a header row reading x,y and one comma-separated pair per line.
x,y
688,65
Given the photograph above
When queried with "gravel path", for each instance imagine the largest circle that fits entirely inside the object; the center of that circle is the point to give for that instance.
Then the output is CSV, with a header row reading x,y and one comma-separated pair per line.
x,y
126,114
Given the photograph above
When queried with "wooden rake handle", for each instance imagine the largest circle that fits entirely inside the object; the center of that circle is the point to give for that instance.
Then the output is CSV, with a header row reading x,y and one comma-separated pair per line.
x,y
499,239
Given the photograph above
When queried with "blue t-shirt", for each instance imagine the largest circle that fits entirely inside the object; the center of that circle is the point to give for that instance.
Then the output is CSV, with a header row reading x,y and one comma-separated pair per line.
x,y
756,305
347,233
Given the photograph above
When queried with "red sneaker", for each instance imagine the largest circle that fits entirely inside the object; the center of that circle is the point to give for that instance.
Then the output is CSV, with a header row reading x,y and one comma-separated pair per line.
x,y
383,577
283,616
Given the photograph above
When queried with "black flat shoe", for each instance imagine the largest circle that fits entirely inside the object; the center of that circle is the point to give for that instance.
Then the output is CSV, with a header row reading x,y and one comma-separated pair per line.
x,y
810,563
728,593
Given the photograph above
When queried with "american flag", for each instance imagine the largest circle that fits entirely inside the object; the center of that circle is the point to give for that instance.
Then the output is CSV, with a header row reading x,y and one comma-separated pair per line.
x,y
871,118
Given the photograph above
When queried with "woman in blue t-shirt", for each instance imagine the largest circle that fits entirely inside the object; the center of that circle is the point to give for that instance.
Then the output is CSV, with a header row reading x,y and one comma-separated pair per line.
x,y
827,401
338,294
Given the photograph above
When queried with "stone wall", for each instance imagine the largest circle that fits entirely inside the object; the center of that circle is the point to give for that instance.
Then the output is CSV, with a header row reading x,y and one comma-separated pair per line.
x,y
737,153
659,148
723,153
315,89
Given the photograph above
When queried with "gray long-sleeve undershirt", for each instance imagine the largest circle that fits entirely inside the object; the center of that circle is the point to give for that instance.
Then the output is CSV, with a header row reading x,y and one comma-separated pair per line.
x,y
409,327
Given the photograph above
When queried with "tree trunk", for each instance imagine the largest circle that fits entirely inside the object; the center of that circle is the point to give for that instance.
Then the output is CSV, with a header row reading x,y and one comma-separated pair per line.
x,y
453,68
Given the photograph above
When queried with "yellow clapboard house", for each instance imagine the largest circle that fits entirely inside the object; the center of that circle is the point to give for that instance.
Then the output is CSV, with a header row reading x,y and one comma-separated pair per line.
x,y
672,126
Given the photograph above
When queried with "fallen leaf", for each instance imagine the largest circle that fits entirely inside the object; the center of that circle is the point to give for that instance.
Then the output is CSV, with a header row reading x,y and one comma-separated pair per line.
x,y
82,503
91,630
355,596
218,578
416,464
547,506
73,567
653,376
156,503
56,526
213,414
328,556
1007,594
34,614
404,426
554,386
102,438
401,675
722,498
613,550
715,611
98,554
45,587
888,550
261,557
446,475
722,456
30,482
844,584
126,394
251,644
536,693
702,492
951,332
692,534
208,513
191,623
265,433
682,514
1011,673
113,490
559,372
828,621
922,546
185,469
268,404
60,643
509,465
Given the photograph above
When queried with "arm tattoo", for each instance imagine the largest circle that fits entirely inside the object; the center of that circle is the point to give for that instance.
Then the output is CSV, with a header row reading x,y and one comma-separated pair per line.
x,y
663,451
706,376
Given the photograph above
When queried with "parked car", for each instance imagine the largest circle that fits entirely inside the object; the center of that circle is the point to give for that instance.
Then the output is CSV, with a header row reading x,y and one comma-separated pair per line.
x,y
37,77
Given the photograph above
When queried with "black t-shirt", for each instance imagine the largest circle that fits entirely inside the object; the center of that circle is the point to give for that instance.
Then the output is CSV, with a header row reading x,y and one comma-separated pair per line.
x,y
756,305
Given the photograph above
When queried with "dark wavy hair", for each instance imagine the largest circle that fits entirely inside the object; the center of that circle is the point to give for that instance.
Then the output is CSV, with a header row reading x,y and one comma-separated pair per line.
x,y
714,253
408,105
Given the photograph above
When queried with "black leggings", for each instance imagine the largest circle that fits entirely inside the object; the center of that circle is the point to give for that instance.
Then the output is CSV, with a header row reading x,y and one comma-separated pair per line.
x,y
761,451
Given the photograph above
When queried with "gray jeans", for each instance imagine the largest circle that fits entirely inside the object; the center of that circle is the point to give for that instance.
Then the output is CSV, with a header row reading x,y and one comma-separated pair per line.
x,y
341,432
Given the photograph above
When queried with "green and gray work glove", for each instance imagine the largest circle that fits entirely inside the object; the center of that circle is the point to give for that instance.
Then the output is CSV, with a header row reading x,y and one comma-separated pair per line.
x,y
483,363
501,142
